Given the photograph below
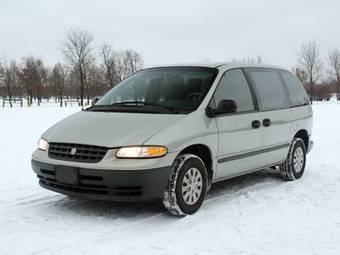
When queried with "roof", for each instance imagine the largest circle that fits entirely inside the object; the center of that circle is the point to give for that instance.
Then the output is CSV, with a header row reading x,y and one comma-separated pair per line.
x,y
197,64
222,66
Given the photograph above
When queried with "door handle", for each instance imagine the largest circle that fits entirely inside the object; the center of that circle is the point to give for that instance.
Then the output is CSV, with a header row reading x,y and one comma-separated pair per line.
x,y
255,124
266,122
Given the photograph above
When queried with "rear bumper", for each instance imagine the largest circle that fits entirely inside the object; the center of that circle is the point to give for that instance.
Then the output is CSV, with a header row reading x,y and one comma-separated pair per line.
x,y
114,185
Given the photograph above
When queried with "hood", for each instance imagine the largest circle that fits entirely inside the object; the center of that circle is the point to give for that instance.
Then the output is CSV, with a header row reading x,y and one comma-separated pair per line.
x,y
109,129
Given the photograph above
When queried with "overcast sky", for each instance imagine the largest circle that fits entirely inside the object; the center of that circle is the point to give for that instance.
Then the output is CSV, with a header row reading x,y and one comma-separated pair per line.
x,y
175,31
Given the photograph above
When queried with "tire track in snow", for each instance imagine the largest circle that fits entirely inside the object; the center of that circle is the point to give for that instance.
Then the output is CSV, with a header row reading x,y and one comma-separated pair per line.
x,y
240,186
27,201
107,233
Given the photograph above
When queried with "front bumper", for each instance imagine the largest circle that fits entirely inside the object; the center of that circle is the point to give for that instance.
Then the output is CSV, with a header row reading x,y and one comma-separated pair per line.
x,y
114,185
310,146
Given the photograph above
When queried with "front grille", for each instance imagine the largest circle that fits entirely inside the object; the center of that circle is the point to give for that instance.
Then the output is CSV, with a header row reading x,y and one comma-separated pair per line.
x,y
82,153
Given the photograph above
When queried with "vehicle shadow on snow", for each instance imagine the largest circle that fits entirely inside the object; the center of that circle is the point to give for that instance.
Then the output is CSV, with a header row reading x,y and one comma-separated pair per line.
x,y
239,186
230,189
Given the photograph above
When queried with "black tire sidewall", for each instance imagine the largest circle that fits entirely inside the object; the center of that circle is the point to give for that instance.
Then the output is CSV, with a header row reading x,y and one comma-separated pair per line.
x,y
191,162
298,143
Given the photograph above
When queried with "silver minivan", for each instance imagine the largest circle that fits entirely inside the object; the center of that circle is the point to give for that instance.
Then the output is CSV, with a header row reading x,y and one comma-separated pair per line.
x,y
171,132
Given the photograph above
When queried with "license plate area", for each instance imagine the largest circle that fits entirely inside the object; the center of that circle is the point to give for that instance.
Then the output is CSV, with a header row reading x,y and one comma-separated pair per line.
x,y
67,175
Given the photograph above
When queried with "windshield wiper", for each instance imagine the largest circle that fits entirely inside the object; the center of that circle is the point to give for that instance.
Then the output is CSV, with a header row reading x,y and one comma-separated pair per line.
x,y
147,104
130,104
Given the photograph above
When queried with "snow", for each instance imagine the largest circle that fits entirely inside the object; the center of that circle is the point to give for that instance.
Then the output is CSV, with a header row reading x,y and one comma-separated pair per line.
x,y
254,214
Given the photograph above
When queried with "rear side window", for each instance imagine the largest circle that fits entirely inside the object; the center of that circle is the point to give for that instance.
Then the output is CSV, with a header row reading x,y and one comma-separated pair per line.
x,y
296,91
270,88
234,86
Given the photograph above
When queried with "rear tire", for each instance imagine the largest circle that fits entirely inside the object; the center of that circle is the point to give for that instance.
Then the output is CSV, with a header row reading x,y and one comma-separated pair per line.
x,y
187,185
294,165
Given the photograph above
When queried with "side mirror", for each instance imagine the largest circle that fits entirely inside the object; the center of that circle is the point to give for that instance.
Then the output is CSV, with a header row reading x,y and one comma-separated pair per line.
x,y
224,106
94,101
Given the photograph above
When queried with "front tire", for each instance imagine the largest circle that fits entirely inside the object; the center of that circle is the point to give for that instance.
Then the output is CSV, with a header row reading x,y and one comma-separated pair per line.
x,y
294,165
187,185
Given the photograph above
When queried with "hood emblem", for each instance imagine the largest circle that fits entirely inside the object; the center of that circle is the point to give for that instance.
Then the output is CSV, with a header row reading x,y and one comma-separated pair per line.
x,y
74,151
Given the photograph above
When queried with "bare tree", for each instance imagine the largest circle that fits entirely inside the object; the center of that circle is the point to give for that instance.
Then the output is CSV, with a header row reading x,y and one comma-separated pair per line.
x,y
3,81
109,62
309,59
57,79
334,62
78,51
40,78
96,80
257,60
2,74
7,80
122,65
33,75
25,74
134,59
302,76
127,63
10,78
72,84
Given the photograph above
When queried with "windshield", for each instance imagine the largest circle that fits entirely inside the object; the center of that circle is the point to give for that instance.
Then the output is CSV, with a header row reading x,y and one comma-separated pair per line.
x,y
170,89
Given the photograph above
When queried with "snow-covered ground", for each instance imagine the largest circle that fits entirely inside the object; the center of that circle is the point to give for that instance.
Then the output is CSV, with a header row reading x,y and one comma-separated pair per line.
x,y
254,214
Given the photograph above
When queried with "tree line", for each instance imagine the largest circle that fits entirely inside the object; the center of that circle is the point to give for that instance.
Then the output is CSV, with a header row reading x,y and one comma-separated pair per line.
x,y
320,78
320,75
88,72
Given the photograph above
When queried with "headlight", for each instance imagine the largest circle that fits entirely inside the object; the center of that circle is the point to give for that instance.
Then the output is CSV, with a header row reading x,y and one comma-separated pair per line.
x,y
42,144
142,152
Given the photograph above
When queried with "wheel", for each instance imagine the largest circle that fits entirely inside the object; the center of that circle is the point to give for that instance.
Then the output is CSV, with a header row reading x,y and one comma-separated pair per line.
x,y
294,165
187,185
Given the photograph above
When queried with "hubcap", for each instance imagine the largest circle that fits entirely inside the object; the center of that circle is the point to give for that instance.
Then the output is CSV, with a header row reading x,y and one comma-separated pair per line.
x,y
192,186
298,159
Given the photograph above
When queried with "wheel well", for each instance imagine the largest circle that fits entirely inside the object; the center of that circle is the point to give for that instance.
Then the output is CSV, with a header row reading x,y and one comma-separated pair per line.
x,y
204,153
303,134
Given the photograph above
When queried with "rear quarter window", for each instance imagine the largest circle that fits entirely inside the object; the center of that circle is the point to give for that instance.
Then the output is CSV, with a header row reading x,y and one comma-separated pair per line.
x,y
296,91
270,89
